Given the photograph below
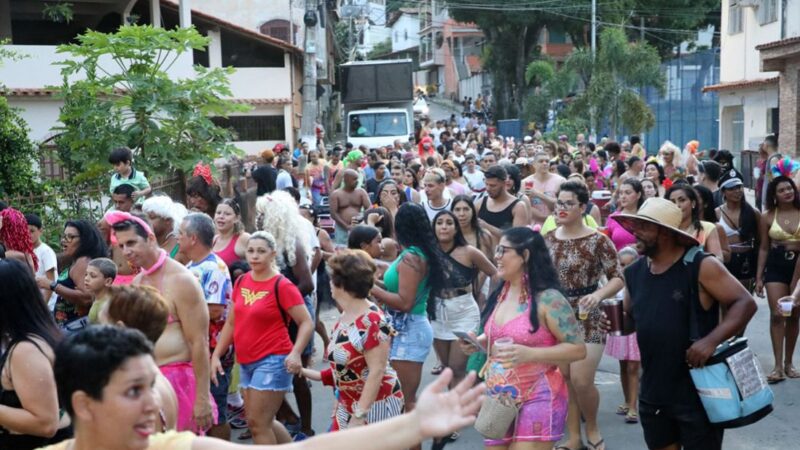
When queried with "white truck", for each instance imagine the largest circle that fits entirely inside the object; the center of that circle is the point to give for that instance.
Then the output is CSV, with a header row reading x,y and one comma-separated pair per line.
x,y
378,101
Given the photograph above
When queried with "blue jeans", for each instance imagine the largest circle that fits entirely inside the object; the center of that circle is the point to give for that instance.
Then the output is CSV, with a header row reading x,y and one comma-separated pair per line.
x,y
414,338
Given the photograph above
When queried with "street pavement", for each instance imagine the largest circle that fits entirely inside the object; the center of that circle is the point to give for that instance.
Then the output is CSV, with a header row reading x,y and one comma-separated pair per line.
x,y
776,431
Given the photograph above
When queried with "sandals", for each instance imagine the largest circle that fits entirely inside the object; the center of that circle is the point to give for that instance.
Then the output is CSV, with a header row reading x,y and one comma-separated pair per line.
x,y
622,410
775,376
440,443
437,369
596,445
790,371
632,417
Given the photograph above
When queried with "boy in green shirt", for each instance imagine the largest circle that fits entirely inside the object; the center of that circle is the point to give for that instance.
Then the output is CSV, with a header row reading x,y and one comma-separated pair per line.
x,y
122,159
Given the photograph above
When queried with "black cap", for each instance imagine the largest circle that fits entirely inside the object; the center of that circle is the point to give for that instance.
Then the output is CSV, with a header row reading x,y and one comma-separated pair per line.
x,y
730,179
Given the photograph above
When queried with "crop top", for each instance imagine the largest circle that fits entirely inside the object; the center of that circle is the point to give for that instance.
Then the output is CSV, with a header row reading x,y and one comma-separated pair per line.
x,y
391,279
777,233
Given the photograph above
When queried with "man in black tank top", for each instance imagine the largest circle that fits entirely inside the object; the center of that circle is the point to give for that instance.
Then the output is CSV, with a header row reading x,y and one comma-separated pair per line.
x,y
500,210
657,301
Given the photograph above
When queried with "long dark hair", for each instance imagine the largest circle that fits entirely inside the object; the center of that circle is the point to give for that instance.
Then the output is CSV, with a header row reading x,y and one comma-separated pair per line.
x,y
25,312
415,183
661,175
748,223
413,229
458,240
636,185
772,189
692,195
707,198
479,233
541,273
92,243
382,186
209,192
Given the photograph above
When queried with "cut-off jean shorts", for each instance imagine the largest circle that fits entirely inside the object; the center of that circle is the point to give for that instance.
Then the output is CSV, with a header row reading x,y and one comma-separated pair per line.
x,y
414,338
266,374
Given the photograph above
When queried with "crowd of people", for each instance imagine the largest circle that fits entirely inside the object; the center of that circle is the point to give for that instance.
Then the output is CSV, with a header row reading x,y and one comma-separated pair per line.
x,y
177,321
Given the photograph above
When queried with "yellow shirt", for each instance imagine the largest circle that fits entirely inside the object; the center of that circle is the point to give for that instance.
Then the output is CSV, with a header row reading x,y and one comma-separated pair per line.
x,y
171,440
550,224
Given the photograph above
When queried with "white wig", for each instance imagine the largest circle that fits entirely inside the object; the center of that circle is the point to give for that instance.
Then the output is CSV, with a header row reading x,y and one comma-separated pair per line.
x,y
676,152
280,216
164,207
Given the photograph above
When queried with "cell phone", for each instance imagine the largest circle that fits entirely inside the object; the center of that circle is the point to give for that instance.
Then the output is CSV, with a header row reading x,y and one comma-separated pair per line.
x,y
466,337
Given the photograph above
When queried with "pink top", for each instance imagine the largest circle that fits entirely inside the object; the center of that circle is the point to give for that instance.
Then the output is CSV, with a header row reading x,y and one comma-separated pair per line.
x,y
228,254
619,236
525,380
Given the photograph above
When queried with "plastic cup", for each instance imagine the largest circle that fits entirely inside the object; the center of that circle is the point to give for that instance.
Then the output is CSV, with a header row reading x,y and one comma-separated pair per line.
x,y
786,305
583,312
528,185
503,342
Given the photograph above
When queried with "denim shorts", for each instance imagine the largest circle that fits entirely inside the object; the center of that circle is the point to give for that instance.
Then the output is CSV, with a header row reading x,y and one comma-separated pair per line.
x,y
413,340
220,393
266,374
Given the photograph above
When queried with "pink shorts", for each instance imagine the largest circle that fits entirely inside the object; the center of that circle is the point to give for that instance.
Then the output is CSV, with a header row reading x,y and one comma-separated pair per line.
x,y
540,419
181,377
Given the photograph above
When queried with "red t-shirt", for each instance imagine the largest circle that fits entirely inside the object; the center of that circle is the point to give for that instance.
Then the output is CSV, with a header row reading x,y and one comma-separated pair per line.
x,y
259,329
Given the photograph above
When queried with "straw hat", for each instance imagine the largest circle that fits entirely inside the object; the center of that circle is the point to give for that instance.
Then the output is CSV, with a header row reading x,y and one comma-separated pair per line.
x,y
660,212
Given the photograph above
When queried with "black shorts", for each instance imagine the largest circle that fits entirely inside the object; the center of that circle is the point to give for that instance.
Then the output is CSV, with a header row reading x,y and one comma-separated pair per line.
x,y
743,265
685,425
780,265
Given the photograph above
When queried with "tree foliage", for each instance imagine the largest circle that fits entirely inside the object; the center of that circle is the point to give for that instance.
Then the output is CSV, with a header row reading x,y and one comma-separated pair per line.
x,y
117,91
17,155
380,49
613,79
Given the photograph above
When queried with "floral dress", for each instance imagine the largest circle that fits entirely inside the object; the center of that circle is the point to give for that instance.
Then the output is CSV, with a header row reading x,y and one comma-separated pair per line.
x,y
581,265
348,371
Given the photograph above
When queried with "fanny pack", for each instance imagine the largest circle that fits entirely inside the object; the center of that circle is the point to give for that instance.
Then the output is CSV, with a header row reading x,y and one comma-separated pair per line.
x,y
732,386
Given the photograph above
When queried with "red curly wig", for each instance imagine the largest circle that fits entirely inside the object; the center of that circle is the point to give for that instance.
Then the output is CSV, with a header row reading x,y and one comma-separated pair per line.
x,y
15,236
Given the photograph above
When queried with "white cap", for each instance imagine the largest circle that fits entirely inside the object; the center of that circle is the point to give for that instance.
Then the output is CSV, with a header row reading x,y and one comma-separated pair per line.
x,y
527,139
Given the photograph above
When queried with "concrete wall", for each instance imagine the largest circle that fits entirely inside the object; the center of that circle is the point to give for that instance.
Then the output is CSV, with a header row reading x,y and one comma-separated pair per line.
x,y
755,104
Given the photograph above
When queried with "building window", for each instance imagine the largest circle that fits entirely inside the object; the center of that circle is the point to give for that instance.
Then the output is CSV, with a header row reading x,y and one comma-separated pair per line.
x,y
253,128
734,17
278,28
767,11
238,51
405,35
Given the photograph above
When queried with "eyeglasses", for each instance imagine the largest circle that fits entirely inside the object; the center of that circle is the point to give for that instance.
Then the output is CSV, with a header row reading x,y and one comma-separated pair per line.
x,y
501,250
69,237
565,205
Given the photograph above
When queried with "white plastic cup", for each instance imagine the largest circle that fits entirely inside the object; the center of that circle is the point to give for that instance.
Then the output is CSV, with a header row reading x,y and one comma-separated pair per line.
x,y
786,306
503,342
583,312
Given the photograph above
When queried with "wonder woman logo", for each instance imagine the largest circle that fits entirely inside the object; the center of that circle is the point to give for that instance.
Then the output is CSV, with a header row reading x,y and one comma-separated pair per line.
x,y
251,297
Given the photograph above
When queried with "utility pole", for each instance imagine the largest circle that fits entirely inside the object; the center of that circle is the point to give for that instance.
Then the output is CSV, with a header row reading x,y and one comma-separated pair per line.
x,y
592,131
310,107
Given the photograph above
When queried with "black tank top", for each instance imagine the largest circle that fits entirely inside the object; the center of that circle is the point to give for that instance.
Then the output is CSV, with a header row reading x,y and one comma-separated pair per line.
x,y
461,276
502,220
11,399
660,305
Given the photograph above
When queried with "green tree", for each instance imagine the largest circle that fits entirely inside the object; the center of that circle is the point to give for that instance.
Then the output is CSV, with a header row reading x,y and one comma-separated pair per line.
x,y
124,96
549,85
17,153
380,49
613,79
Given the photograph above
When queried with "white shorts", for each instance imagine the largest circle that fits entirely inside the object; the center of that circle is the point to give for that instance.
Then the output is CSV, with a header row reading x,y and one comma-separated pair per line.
x,y
455,314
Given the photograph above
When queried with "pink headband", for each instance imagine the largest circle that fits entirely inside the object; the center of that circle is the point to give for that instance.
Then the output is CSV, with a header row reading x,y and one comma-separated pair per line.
x,y
114,217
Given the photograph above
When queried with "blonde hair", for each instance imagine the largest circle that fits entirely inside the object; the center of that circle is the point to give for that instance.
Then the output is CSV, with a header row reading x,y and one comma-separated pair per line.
x,y
280,216
267,237
676,153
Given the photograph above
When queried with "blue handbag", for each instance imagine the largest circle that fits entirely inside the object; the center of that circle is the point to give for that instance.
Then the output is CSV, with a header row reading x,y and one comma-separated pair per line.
x,y
732,386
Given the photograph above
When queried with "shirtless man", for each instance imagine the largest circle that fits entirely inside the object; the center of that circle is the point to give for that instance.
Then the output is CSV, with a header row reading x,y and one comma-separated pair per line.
x,y
182,350
541,188
499,210
346,203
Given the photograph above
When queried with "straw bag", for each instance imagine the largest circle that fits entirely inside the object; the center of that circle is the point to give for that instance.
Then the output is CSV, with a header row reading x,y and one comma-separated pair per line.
x,y
497,412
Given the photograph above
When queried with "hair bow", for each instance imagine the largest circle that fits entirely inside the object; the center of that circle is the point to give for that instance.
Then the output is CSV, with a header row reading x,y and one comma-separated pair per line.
x,y
204,172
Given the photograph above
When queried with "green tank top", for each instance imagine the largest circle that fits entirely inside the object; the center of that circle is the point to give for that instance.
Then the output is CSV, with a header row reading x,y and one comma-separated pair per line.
x,y
391,279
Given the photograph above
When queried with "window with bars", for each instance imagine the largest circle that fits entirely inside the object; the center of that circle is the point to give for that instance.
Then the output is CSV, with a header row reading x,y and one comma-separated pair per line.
x,y
734,17
253,128
279,29
767,11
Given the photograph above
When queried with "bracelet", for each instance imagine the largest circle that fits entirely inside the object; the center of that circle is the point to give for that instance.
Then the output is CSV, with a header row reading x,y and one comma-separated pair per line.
x,y
53,285
358,413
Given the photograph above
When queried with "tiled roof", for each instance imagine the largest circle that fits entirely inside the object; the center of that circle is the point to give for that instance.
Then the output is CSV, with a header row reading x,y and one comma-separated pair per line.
x,y
740,84
780,43
27,92
262,101
238,29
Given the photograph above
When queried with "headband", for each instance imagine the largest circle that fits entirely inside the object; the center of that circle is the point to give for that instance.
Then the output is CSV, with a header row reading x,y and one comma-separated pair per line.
x,y
115,217
786,167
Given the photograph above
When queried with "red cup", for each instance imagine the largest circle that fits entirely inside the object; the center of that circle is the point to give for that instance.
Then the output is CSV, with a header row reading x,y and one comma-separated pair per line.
x,y
613,311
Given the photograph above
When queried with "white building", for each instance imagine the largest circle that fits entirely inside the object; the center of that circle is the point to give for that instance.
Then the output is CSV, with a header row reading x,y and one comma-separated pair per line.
x,y
404,25
748,89
268,70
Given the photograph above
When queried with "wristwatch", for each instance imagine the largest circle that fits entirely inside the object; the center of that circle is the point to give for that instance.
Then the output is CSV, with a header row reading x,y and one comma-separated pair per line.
x,y
358,413
53,285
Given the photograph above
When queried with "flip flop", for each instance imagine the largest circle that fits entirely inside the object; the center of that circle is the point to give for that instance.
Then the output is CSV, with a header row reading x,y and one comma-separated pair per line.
x,y
564,447
775,377
791,372
632,417
622,410
595,445
437,370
